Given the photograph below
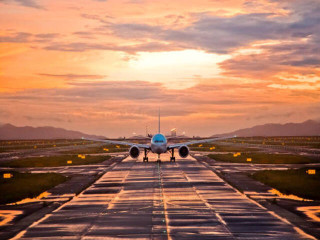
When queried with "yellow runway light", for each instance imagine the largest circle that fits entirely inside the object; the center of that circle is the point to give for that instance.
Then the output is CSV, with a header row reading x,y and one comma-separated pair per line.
x,y
200,145
117,146
311,171
235,155
7,175
106,149
69,162
249,159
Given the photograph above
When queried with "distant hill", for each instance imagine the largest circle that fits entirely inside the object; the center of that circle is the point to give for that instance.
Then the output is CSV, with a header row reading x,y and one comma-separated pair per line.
x,y
307,128
138,137
11,132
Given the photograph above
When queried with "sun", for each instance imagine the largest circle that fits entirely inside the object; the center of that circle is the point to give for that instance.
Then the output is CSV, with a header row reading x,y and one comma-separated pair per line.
x,y
175,69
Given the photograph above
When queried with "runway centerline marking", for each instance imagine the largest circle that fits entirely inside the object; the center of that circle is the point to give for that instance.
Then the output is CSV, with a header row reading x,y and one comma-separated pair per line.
x,y
164,201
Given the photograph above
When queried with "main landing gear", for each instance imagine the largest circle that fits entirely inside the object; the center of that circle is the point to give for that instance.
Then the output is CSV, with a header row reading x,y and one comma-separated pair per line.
x,y
172,158
145,158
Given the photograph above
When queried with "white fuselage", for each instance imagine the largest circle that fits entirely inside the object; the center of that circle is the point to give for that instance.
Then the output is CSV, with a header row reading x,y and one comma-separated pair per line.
x,y
159,144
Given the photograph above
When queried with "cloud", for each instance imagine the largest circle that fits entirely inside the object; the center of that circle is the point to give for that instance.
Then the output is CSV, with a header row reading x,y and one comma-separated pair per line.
x,y
84,34
47,36
71,76
96,17
298,53
131,49
293,57
44,119
26,3
211,33
216,34
205,94
18,37
24,37
122,106
125,90
272,71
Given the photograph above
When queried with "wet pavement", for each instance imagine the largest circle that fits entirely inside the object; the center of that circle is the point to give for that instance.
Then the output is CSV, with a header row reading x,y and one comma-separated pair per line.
x,y
300,212
181,200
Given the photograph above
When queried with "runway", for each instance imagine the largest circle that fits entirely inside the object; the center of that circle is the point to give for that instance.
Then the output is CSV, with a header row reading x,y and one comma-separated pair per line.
x,y
181,200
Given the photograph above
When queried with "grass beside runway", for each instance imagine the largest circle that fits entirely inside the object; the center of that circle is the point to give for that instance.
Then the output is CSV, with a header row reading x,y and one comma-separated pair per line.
x,y
54,161
298,141
263,158
297,182
14,145
26,185
110,148
220,148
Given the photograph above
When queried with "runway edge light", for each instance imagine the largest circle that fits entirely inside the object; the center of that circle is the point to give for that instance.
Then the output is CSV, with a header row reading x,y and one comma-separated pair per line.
x,y
311,171
237,154
7,175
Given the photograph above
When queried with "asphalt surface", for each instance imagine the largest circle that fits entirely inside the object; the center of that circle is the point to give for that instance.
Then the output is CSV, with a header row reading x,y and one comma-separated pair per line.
x,y
181,200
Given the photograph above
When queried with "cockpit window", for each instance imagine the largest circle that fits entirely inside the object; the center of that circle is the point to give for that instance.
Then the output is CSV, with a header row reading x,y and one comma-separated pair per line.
x,y
158,138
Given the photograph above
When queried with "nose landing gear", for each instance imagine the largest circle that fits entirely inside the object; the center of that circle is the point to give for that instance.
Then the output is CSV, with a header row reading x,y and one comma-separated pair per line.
x,y
172,158
159,160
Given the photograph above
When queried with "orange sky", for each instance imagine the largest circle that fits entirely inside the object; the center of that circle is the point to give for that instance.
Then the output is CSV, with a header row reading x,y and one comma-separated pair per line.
x,y
104,67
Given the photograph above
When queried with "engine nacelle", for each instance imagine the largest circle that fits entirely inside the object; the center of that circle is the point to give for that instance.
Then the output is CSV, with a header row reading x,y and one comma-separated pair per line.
x,y
183,151
134,152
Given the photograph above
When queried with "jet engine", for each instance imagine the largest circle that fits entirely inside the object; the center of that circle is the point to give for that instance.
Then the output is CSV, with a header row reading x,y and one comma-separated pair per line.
x,y
183,151
134,152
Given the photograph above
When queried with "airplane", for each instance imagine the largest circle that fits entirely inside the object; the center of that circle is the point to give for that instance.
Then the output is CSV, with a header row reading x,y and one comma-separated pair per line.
x,y
159,145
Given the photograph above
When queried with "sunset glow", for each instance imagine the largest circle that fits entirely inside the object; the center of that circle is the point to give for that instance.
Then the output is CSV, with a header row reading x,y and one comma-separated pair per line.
x,y
105,67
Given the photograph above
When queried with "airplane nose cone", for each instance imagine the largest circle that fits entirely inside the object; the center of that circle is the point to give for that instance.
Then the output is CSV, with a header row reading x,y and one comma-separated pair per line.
x,y
158,149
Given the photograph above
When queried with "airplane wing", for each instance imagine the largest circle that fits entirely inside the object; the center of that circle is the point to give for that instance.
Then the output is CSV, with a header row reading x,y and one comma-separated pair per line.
x,y
171,146
119,143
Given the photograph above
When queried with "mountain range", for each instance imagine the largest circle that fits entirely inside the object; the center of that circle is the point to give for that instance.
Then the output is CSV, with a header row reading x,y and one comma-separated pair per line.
x,y
307,128
11,132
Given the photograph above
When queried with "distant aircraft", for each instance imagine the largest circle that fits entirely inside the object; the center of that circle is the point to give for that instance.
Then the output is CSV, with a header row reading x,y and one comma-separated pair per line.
x,y
159,145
